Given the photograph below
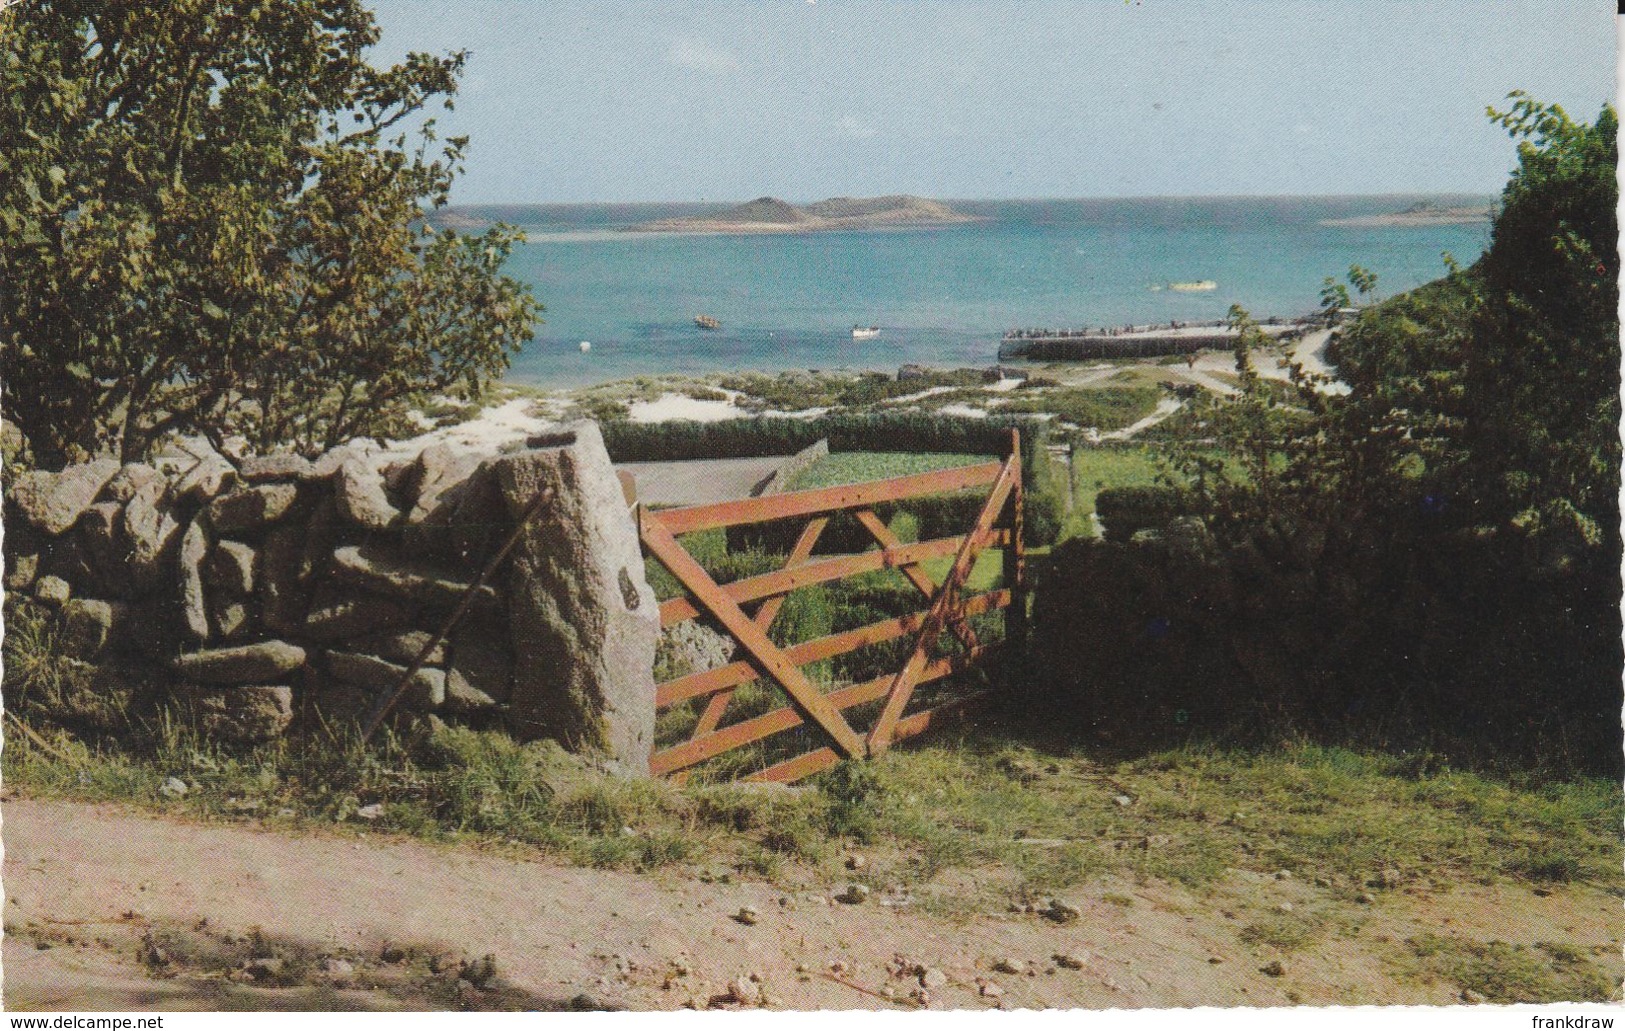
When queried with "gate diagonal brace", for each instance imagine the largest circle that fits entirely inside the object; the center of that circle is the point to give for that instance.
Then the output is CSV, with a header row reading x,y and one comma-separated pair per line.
x,y
717,704
902,689
916,576
750,636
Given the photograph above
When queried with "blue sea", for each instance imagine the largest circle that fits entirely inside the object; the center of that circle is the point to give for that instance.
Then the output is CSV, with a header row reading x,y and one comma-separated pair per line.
x,y
941,296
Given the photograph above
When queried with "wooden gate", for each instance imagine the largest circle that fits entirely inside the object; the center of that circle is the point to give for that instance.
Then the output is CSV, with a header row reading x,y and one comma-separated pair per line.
x,y
998,523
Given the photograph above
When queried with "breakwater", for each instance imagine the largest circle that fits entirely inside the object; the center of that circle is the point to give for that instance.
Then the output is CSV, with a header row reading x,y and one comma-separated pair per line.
x,y
1131,341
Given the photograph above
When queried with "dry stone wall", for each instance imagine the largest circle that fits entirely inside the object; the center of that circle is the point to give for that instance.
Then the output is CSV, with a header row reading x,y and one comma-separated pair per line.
x,y
278,590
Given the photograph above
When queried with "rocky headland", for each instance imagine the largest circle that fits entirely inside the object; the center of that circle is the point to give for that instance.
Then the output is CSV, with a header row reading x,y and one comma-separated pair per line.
x,y
771,215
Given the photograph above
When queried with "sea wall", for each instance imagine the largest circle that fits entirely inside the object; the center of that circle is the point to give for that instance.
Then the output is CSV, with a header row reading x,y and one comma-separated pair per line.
x,y
276,591
1076,348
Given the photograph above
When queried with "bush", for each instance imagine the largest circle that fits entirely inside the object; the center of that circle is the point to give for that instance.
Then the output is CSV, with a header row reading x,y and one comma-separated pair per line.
x,y
1125,511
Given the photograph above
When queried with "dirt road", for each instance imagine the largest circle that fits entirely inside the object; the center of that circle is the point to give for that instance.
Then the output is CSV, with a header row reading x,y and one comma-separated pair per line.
x,y
112,909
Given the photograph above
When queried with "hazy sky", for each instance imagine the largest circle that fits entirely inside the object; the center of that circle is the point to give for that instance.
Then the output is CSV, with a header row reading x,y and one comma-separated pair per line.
x,y
803,99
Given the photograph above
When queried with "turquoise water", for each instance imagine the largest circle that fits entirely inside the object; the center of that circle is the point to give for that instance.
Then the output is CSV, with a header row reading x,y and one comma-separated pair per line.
x,y
941,296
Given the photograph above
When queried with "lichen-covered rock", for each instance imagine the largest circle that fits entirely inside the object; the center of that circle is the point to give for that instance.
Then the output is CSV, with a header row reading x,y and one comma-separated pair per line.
x,y
327,465
283,598
246,715
690,647
425,692
194,603
359,491
151,533
21,571
233,620
338,616
261,663
404,647
478,519
99,531
461,696
52,591
266,468
251,507
208,478
53,502
131,477
441,476
381,571
482,657
91,626
231,568
583,619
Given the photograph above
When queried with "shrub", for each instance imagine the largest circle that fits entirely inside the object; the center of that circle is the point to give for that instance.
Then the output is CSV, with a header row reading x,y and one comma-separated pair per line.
x,y
1125,511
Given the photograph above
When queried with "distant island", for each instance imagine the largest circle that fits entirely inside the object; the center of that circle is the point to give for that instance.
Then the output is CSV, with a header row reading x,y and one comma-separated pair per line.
x,y
771,215
1422,213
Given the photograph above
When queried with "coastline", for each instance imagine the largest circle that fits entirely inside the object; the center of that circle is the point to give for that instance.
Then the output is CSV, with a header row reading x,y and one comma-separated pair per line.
x,y
520,411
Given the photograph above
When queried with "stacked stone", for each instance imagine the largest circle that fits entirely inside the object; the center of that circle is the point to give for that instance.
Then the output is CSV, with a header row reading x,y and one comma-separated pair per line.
x,y
279,587
250,588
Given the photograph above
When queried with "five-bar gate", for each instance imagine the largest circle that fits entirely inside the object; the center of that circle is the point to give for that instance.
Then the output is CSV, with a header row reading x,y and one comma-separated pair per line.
x,y
948,607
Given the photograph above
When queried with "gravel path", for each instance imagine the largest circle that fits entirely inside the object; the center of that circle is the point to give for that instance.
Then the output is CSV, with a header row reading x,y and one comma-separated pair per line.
x,y
93,890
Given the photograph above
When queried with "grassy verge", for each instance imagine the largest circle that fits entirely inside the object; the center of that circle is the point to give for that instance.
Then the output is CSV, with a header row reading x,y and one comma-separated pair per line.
x,y
1031,821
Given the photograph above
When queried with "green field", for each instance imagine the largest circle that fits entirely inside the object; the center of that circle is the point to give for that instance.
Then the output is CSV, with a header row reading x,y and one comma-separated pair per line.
x,y
1095,469
858,466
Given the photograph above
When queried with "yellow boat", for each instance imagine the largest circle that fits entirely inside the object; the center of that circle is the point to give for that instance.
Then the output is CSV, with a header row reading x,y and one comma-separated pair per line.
x,y
707,322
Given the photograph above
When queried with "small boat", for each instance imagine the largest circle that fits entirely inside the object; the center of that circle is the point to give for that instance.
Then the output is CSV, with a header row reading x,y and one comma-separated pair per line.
x,y
1194,286
707,322
860,333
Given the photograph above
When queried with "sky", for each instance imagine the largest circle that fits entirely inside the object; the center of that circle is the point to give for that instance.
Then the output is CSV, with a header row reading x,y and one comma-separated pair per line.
x,y
620,101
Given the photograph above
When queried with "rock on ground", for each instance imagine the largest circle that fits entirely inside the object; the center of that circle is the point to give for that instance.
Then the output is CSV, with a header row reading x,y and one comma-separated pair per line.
x,y
245,714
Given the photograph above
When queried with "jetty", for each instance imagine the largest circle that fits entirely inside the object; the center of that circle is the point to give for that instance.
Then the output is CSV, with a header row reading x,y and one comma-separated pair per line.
x,y
1134,341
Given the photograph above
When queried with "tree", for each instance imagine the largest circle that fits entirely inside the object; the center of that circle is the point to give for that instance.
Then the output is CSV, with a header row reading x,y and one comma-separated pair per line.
x,y
1542,359
212,221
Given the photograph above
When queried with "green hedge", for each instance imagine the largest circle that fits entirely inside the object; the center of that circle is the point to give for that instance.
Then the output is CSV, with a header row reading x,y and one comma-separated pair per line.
x,y
1124,511
879,431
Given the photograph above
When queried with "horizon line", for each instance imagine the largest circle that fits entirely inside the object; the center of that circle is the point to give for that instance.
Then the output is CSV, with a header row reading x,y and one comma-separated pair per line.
x,y
986,200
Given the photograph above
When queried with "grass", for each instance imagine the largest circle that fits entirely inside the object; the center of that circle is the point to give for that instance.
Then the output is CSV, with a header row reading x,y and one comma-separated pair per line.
x,y
1506,972
858,466
799,391
1096,469
1104,408
1363,821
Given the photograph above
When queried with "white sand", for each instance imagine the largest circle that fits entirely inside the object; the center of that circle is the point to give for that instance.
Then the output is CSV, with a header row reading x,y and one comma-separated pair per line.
x,y
1165,407
671,407
963,410
488,432
922,395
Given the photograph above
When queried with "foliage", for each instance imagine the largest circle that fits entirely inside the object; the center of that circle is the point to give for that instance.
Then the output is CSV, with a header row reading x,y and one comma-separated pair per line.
x,y
1127,510
1103,408
212,222
858,432
857,466
799,391
1542,368
1430,559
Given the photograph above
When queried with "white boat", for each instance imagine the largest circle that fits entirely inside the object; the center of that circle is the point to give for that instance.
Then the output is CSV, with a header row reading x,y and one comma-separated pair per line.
x,y
1194,286
865,333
